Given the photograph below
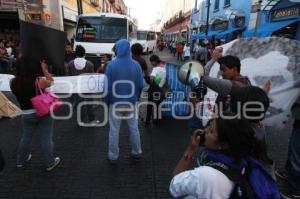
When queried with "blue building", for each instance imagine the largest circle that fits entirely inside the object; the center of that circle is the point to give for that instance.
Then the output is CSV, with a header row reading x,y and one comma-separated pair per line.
x,y
278,18
228,19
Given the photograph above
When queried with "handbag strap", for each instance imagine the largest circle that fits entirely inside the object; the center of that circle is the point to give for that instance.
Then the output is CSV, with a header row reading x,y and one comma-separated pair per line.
x,y
37,87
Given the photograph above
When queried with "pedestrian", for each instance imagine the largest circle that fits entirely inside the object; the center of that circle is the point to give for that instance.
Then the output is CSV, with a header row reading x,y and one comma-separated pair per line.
x,y
137,52
187,52
122,98
104,62
179,50
24,88
195,50
156,91
291,172
69,56
81,66
202,54
229,168
174,48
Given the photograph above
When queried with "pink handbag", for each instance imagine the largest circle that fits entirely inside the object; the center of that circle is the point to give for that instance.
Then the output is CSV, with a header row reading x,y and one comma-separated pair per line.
x,y
46,102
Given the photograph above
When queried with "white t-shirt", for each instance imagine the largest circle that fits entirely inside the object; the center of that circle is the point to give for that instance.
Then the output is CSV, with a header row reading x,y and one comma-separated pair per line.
x,y
202,183
187,51
160,71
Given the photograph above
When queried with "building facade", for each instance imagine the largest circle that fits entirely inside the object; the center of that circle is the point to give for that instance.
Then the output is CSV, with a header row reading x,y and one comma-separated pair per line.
x,y
231,19
228,19
58,14
277,18
175,19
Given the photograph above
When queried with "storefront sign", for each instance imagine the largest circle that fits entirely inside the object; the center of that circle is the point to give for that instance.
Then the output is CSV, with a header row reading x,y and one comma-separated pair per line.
x,y
286,13
220,25
69,14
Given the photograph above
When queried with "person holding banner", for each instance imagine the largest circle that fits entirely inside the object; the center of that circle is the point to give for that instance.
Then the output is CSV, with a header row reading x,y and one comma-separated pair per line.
x,y
23,86
81,66
125,84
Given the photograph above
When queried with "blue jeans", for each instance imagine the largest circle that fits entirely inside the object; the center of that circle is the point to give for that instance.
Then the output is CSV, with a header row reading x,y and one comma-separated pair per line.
x,y
44,127
114,129
293,162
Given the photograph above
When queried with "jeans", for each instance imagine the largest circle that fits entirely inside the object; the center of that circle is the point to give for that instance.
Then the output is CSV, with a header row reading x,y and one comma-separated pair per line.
x,y
293,162
44,127
114,129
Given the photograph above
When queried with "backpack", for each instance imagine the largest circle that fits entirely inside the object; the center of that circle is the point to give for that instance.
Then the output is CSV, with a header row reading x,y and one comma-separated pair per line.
x,y
242,188
251,180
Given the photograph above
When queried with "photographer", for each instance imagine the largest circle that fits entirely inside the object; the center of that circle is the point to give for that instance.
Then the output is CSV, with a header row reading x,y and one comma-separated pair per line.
x,y
230,145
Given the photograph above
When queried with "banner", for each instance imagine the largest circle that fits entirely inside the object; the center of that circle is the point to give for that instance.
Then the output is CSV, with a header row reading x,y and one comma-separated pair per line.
x,y
262,59
90,83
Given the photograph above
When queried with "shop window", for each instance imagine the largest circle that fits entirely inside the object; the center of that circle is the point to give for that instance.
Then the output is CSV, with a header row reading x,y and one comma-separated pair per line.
x,y
226,3
217,4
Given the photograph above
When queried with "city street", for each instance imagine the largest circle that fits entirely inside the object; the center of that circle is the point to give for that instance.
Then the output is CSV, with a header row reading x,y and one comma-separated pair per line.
x,y
85,173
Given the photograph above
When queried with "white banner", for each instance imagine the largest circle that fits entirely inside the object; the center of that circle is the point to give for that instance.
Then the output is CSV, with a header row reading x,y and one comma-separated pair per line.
x,y
90,83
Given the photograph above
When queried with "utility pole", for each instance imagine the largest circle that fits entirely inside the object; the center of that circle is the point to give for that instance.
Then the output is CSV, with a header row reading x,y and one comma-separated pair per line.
x,y
79,7
207,18
257,18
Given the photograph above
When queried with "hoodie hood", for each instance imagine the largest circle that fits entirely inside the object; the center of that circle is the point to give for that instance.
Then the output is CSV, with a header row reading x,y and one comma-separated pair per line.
x,y
79,63
123,48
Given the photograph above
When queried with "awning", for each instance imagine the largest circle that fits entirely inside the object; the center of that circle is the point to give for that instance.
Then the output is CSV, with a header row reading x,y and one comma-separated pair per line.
x,y
223,34
267,29
212,33
200,35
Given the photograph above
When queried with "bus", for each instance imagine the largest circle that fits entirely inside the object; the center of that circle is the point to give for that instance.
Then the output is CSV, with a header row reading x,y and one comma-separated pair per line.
x,y
147,39
99,32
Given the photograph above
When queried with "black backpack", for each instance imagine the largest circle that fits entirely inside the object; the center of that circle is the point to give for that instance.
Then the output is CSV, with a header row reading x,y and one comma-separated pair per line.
x,y
242,189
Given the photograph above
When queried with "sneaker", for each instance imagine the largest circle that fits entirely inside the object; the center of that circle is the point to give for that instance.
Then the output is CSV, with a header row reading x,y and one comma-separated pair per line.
x,y
27,160
290,194
56,162
283,175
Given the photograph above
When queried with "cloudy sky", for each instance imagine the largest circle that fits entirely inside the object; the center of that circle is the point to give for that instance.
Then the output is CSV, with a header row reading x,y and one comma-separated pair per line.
x,y
146,11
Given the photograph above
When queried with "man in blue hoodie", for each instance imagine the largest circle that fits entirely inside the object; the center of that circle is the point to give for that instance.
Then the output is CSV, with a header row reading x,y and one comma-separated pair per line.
x,y
125,83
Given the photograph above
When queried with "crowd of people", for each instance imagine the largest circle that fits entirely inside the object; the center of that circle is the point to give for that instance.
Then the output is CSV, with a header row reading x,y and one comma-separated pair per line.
x,y
231,154
9,51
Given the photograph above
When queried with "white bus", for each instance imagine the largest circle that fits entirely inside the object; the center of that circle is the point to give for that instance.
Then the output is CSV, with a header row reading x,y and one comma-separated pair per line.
x,y
99,32
147,39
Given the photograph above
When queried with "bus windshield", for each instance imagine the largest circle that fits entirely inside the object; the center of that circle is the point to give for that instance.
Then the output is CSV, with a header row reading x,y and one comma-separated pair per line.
x,y
101,29
141,35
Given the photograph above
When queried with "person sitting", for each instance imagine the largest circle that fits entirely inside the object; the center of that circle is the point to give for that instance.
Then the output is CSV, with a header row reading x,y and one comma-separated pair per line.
x,y
231,148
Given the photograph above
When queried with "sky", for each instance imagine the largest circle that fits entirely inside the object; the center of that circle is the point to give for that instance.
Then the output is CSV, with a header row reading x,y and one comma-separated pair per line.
x,y
146,11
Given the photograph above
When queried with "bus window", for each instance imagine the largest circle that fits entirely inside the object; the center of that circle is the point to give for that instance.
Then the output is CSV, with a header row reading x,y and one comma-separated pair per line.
x,y
142,35
101,30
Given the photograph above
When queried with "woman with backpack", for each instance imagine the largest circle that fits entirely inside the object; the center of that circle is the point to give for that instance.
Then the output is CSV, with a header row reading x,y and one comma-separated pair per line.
x,y
229,169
